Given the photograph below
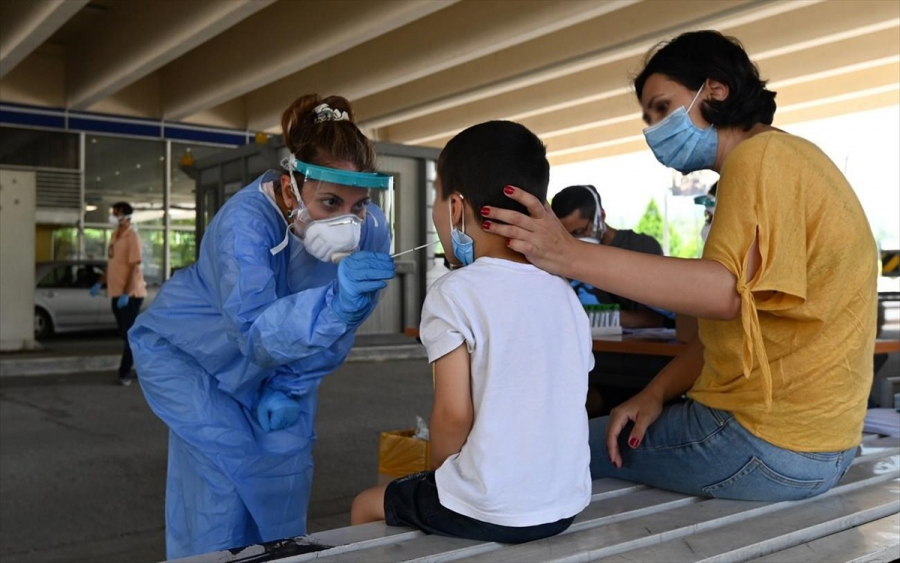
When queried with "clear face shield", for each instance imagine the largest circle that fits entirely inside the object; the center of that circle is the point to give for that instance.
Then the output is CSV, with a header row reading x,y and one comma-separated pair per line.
x,y
333,206
598,227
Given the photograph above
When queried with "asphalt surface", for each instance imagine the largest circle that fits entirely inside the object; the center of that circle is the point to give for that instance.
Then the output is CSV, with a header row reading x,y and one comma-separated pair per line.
x,y
83,466
83,461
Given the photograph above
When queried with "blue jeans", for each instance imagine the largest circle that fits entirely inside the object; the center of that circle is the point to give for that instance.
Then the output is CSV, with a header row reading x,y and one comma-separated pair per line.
x,y
700,451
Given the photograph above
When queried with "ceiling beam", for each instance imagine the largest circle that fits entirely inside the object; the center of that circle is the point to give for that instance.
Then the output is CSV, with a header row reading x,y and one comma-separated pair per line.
x,y
865,79
858,90
621,146
231,69
820,109
139,37
840,22
617,37
458,34
811,64
230,115
40,80
26,24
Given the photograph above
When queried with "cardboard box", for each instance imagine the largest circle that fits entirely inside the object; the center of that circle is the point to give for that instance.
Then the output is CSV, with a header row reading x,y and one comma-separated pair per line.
x,y
399,454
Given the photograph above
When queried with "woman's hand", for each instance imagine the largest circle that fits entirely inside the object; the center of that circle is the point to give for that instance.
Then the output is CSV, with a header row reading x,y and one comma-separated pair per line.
x,y
539,235
642,409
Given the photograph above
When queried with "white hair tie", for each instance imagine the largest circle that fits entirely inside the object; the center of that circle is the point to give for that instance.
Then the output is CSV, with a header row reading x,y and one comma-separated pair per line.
x,y
324,112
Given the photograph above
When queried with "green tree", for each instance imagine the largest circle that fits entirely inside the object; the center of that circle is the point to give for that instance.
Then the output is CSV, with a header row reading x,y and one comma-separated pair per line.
x,y
652,224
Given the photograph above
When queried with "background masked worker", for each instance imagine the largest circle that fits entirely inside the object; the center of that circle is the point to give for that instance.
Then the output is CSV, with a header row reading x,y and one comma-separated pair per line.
x,y
580,211
232,350
708,202
124,280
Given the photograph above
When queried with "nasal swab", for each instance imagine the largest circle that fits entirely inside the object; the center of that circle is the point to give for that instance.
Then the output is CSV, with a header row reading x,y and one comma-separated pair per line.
x,y
414,249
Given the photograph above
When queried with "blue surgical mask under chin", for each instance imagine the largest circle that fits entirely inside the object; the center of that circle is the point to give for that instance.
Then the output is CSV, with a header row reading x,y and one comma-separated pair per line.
x,y
463,245
678,143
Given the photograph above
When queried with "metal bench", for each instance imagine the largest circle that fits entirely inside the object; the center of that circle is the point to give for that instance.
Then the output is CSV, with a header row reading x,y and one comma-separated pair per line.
x,y
859,520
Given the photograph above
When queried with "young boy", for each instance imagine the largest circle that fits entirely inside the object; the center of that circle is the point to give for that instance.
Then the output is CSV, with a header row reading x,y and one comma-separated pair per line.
x,y
511,348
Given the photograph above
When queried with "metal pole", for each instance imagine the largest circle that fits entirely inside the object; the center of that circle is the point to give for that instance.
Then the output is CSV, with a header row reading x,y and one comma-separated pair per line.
x,y
82,171
167,189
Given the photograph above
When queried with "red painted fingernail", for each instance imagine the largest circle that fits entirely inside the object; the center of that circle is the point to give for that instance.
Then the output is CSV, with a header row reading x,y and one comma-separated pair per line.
x,y
485,211
508,190
508,242
486,225
634,442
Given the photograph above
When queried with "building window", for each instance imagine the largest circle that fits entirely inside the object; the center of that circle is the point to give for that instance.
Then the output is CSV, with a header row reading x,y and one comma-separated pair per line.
x,y
38,149
128,170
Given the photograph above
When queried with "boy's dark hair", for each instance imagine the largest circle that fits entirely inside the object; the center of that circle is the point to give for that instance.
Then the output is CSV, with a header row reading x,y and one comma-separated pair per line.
x,y
576,197
483,159
692,58
123,207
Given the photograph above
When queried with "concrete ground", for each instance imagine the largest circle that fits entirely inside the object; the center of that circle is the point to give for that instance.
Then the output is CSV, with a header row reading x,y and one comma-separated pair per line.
x,y
83,461
83,466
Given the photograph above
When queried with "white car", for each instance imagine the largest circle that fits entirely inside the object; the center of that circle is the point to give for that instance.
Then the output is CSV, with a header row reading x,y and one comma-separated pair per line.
x,y
62,299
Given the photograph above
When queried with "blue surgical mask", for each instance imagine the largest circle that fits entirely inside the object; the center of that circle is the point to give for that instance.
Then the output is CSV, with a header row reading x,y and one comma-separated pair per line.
x,y
463,245
679,144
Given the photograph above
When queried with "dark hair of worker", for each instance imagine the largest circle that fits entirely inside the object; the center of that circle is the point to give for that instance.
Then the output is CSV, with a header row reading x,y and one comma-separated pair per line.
x,y
123,207
576,197
328,142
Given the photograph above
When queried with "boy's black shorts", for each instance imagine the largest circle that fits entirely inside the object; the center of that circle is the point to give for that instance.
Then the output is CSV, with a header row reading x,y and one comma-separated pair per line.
x,y
413,501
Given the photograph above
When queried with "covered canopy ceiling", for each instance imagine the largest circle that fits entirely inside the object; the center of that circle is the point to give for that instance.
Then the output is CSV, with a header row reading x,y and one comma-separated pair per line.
x,y
418,71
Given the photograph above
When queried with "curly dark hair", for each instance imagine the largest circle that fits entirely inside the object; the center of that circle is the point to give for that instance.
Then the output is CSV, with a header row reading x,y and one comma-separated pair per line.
x,y
692,58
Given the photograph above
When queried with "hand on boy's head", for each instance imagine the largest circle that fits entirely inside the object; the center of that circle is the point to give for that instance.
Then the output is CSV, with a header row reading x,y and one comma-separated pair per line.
x,y
539,236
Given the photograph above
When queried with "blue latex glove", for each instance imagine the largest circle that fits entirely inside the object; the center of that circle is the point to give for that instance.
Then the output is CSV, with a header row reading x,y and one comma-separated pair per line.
x,y
360,276
122,301
584,294
277,411
95,289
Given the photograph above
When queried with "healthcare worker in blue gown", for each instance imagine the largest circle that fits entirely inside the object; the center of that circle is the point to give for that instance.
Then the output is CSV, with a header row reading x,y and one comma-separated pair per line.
x,y
231,352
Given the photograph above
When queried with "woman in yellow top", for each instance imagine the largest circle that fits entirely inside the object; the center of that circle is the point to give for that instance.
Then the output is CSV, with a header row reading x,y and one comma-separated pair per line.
x,y
778,377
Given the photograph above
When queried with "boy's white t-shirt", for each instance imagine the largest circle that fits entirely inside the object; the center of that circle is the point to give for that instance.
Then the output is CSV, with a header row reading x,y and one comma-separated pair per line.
x,y
526,461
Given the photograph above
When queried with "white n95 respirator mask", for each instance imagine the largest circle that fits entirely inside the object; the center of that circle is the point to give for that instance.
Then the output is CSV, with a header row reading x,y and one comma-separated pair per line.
x,y
332,240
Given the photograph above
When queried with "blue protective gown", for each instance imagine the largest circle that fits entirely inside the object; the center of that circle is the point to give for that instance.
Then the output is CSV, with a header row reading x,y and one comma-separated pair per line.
x,y
238,320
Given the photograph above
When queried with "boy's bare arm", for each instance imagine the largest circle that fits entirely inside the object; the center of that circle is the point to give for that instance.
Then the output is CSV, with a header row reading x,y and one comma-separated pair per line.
x,y
453,413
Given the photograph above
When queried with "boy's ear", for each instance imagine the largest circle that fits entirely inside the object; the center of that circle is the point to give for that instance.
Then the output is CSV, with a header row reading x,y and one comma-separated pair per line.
x,y
457,208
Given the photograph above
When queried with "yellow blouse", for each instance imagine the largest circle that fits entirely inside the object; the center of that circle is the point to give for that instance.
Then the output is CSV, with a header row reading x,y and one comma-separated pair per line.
x,y
796,366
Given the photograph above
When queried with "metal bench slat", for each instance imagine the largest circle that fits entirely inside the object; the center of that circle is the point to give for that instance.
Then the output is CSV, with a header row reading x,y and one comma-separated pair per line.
x,y
613,502
771,533
605,541
335,541
352,538
886,445
875,542
438,548
607,488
